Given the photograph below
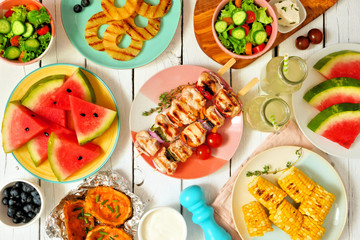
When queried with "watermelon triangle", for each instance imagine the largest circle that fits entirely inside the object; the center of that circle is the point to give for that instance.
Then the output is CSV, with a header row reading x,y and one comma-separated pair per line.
x,y
76,85
19,126
90,120
66,156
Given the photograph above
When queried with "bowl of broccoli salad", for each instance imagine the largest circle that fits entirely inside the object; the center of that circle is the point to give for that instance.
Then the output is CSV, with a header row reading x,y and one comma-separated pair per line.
x,y
244,28
26,31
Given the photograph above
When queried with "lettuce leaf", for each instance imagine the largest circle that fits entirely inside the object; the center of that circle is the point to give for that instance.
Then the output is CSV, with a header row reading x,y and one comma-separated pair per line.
x,y
19,14
262,17
37,18
227,11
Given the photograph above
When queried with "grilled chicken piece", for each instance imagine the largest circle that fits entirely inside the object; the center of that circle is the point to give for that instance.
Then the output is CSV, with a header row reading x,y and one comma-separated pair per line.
x,y
228,103
193,135
193,97
209,84
164,163
180,113
144,143
179,151
213,115
165,129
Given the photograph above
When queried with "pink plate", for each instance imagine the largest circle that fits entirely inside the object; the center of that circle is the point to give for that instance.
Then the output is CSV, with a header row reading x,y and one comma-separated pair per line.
x,y
148,98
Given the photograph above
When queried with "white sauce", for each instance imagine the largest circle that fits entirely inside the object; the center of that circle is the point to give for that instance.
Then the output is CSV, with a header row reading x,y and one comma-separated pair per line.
x,y
164,224
287,13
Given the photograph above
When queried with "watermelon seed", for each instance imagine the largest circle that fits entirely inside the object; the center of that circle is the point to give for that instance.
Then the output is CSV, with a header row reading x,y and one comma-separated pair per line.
x,y
95,115
33,115
82,114
55,103
26,129
79,158
46,134
68,90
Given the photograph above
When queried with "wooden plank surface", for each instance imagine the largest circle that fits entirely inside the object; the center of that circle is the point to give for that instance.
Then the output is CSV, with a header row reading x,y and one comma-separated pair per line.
x,y
340,24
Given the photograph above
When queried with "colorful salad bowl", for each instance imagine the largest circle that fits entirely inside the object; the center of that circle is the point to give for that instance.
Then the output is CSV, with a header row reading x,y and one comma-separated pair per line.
x,y
269,39
7,5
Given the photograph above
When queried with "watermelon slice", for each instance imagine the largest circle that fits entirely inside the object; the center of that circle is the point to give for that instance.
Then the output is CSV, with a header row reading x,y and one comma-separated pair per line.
x,y
38,146
66,156
39,92
90,120
77,85
19,126
340,123
334,91
344,63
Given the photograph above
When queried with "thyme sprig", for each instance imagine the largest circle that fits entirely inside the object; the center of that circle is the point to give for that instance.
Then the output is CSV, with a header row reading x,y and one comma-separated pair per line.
x,y
165,100
266,168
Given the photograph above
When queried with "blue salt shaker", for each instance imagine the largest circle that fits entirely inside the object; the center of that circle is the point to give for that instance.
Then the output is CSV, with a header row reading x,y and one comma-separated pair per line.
x,y
193,198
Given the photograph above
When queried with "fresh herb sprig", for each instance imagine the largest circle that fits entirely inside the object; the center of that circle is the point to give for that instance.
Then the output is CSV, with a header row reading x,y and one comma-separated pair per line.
x,y
165,100
266,168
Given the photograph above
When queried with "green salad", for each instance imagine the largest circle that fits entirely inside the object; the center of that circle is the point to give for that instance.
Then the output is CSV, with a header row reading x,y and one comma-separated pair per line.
x,y
243,27
24,32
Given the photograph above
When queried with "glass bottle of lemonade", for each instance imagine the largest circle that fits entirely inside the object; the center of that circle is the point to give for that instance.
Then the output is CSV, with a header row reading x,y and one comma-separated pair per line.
x,y
267,113
277,81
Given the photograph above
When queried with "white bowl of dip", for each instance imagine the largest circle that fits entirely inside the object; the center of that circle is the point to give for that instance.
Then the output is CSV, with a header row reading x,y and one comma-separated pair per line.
x,y
163,223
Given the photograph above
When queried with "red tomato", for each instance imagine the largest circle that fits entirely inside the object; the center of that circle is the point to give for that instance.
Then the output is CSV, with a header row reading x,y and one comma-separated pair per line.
x,y
30,7
43,30
250,17
268,30
14,41
8,13
203,152
214,140
246,28
259,48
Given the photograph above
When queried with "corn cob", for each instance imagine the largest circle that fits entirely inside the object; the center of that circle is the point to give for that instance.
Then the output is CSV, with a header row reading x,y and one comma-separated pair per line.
x,y
256,220
296,184
269,195
287,218
318,204
310,230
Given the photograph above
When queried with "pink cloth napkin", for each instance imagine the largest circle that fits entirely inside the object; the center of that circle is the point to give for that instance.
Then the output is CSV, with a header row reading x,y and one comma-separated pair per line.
x,y
291,135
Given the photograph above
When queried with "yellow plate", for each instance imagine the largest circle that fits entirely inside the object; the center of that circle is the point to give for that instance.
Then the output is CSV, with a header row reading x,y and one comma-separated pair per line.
x,y
107,141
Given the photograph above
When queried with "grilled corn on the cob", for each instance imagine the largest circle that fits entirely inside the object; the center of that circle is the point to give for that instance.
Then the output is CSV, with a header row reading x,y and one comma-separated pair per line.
x,y
256,220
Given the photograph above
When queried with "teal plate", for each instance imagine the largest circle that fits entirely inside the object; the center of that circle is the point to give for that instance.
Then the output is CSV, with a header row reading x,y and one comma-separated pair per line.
x,y
314,166
74,25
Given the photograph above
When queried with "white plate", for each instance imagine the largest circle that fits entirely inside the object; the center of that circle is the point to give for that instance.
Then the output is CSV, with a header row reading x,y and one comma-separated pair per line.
x,y
314,166
304,112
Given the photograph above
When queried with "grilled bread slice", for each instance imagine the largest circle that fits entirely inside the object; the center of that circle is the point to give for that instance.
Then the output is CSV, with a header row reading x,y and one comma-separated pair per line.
x,y
119,13
156,11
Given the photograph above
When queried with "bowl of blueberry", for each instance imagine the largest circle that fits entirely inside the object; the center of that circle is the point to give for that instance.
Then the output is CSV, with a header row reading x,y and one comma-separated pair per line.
x,y
22,203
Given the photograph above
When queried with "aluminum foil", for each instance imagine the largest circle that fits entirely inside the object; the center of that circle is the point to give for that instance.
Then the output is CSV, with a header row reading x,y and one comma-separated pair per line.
x,y
55,222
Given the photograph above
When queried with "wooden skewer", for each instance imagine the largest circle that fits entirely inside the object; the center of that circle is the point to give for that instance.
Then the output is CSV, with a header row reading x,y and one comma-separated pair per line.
x,y
226,67
248,86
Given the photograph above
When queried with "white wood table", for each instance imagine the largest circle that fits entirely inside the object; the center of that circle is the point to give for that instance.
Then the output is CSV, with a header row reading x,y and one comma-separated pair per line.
x,y
340,24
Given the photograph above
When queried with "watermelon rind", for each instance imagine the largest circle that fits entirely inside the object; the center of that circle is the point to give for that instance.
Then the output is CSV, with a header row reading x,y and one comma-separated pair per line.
x,y
87,86
336,90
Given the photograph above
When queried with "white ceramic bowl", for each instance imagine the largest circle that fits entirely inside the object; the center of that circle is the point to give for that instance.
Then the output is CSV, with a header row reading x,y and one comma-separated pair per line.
x,y
5,219
176,214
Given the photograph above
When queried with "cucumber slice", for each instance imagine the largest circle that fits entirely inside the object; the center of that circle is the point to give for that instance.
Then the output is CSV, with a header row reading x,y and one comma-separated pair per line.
x,y
29,30
32,44
12,53
5,26
220,26
239,17
259,37
238,33
18,28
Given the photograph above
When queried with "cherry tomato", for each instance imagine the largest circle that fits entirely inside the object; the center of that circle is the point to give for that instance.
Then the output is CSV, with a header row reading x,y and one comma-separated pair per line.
x,y
8,13
259,48
203,152
21,56
248,49
302,43
228,20
43,30
214,140
250,17
268,30
315,36
30,7
14,41
246,28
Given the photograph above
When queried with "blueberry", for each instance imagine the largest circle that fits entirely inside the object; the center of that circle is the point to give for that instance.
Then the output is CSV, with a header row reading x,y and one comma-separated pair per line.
x,y
77,8
5,201
17,220
37,210
12,202
85,3
31,215
18,184
29,207
23,195
11,212
23,200
19,214
7,192
26,220
14,192
34,193
37,200
27,188
29,199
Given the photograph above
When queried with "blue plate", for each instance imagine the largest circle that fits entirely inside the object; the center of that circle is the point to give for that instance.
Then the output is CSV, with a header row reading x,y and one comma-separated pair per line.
x,y
74,25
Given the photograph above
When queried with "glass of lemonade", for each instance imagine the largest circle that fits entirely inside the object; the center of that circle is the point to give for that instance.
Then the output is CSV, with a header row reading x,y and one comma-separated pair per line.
x,y
277,81
267,113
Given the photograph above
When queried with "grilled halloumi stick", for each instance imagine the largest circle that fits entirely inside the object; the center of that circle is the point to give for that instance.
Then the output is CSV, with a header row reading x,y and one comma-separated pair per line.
x,y
180,151
228,103
164,163
180,113
256,220
168,130
214,116
193,135
310,230
144,143
193,97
